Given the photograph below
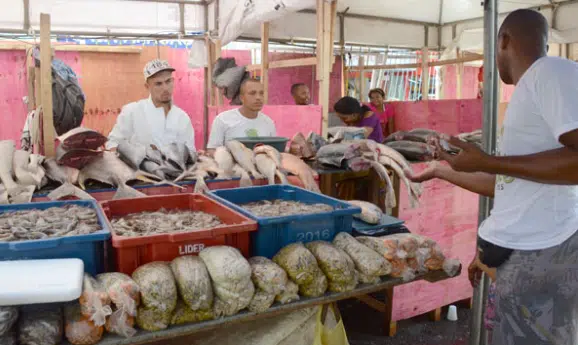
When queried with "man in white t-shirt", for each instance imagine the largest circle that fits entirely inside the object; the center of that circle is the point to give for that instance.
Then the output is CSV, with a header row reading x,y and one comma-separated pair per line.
x,y
155,120
246,121
529,243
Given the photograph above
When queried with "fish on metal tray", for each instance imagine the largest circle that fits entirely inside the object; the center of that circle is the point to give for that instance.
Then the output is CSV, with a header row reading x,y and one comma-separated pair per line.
x,y
68,220
244,157
163,222
370,213
76,158
300,147
413,151
82,138
297,167
279,208
316,141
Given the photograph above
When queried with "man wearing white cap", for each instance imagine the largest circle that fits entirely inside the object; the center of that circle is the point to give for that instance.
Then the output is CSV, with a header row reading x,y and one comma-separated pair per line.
x,y
154,120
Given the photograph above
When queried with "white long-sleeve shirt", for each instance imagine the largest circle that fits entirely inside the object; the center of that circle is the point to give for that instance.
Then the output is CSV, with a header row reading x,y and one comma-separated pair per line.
x,y
141,122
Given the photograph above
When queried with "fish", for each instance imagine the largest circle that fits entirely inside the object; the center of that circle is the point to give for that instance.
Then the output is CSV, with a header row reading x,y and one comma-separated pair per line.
x,y
27,173
154,155
200,184
335,154
316,141
397,136
3,195
13,189
300,147
224,160
126,192
280,208
357,164
131,153
340,133
177,154
413,191
297,167
207,164
413,151
390,201
370,213
153,168
76,158
60,173
245,180
244,157
269,151
67,220
423,135
269,168
82,138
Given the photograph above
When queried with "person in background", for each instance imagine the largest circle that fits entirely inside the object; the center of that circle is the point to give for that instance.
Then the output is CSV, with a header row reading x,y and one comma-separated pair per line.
x,y
154,120
383,111
353,113
529,243
301,94
246,121
481,83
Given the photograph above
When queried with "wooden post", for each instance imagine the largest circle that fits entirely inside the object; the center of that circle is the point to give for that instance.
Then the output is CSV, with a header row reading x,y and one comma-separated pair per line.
x,y
46,85
326,62
425,74
209,80
319,50
361,77
265,60
216,56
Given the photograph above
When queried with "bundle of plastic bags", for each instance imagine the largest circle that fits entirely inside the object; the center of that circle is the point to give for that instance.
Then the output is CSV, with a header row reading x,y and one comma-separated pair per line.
x,y
301,266
159,295
184,314
40,325
94,301
291,293
270,280
370,265
80,329
335,264
397,257
8,318
231,278
124,293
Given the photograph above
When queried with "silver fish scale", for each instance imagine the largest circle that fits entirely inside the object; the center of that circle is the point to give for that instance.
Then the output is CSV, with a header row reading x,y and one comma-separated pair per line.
x,y
69,220
279,208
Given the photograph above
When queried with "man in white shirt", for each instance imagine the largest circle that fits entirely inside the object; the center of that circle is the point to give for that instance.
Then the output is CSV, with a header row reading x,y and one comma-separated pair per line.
x,y
154,120
529,244
246,121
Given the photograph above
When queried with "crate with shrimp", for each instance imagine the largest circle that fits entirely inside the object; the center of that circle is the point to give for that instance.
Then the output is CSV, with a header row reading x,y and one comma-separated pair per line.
x,y
55,230
161,228
287,214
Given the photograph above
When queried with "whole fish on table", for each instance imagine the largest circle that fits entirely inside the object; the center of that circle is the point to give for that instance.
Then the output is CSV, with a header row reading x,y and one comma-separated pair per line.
x,y
225,160
423,135
336,154
67,177
244,157
206,164
370,213
16,192
269,168
245,178
300,147
27,173
177,154
297,167
413,190
316,141
413,151
82,138
397,136
132,153
390,201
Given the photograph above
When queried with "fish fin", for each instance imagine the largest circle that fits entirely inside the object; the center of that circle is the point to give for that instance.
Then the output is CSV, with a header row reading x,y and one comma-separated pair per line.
x,y
68,189
169,183
21,194
201,186
257,175
282,177
126,192
245,180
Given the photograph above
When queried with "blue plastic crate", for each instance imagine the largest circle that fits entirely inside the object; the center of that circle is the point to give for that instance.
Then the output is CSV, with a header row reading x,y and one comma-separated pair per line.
x,y
276,232
89,248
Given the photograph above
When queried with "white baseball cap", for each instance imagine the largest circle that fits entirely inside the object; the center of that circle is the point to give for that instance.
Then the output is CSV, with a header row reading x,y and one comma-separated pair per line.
x,y
155,66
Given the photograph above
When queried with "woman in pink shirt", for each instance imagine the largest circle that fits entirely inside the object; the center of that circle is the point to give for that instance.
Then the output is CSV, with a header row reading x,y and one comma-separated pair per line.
x,y
382,110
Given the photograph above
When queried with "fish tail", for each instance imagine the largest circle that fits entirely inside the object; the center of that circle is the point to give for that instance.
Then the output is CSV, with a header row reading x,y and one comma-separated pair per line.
x,y
201,186
170,184
126,192
245,180
282,177
68,189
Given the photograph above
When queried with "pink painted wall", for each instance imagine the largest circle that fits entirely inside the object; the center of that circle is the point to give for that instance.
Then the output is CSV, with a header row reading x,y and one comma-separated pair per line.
x,y
469,84
289,119
447,214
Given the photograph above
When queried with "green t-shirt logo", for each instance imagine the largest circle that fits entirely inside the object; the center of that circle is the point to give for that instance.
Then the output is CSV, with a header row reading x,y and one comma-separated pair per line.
x,y
251,133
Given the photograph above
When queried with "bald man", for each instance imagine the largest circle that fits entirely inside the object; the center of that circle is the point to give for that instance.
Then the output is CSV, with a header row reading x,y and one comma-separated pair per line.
x,y
246,121
530,240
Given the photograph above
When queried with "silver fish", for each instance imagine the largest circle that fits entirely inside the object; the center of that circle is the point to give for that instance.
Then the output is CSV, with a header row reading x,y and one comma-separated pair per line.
x,y
413,191
67,176
132,154
6,171
245,181
267,167
27,174
297,167
224,160
370,213
413,151
244,157
390,201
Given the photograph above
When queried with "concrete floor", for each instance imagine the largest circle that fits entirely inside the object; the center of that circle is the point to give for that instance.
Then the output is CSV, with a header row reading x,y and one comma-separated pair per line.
x,y
365,327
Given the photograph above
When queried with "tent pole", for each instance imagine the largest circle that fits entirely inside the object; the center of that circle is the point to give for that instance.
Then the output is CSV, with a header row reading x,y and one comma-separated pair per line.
x,y
478,334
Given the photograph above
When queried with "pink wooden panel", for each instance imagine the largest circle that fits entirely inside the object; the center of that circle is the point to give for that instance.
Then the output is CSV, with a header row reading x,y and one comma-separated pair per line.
x,y
289,119
13,86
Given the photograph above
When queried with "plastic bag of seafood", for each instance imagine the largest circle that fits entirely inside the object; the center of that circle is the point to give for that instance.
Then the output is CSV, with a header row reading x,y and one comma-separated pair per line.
x,y
80,330
231,277
9,338
94,301
389,250
261,301
8,317
291,293
152,320
121,323
267,275
335,264
367,261
301,266
40,325
193,282
122,290
158,289
184,314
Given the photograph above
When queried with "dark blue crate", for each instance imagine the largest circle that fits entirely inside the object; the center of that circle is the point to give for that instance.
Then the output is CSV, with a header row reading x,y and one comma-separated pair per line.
x,y
89,248
276,232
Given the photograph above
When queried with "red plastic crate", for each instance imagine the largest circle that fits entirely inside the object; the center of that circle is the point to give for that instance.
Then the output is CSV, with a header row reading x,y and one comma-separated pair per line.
x,y
132,252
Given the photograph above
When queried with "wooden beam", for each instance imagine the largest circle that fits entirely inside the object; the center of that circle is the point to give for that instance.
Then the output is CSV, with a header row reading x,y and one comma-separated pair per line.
x,y
459,73
309,61
31,74
265,60
209,78
48,131
361,77
467,58
319,43
75,48
373,303
326,65
217,55
425,74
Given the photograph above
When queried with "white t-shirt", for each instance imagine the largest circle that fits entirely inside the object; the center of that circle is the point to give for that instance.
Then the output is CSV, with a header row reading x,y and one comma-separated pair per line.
x,y
232,124
529,215
141,122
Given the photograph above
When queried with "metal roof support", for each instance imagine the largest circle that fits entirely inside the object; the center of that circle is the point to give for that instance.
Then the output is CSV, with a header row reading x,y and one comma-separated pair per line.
x,y
478,334
113,35
26,15
384,19
184,2
440,27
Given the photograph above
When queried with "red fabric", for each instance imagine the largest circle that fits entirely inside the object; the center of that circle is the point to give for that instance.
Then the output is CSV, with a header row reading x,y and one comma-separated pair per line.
x,y
481,75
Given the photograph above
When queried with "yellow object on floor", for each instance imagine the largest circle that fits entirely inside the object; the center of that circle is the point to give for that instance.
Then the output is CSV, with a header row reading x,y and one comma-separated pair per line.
x,y
330,329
